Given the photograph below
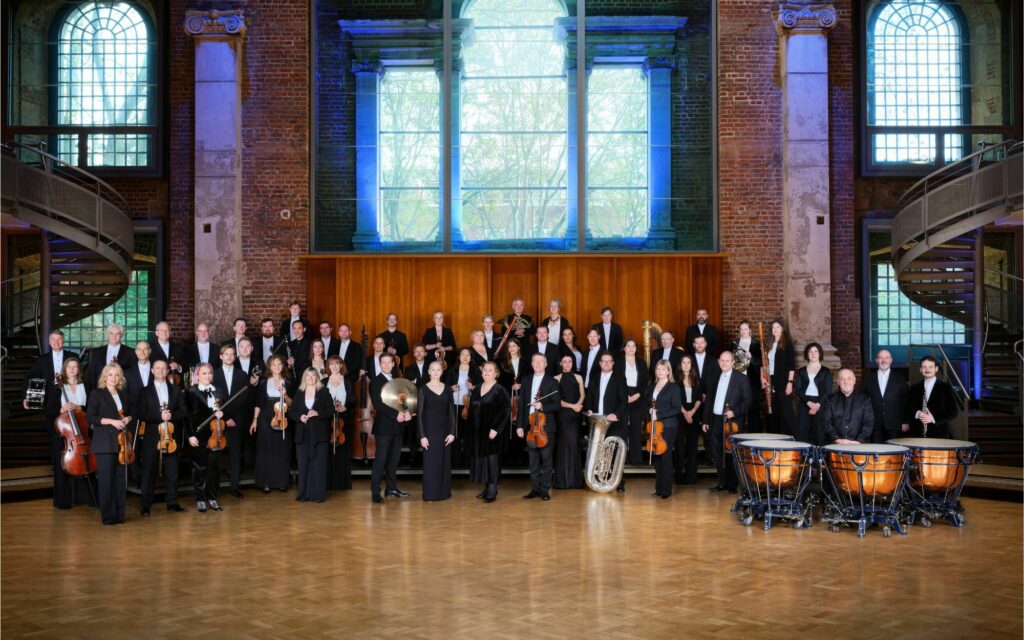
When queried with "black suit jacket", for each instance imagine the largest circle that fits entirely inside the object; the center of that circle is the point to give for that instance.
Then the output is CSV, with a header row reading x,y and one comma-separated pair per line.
x,y
615,400
642,373
412,372
353,359
614,345
236,410
849,419
590,364
710,334
668,406
149,412
101,405
191,355
286,328
331,349
318,428
134,387
941,404
675,357
398,340
737,396
98,360
447,340
549,405
889,409
551,354
300,352
708,371
386,421
257,347
198,411
158,353
562,326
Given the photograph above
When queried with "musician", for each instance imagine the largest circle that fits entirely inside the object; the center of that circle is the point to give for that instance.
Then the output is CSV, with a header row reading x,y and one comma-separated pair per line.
x,y
667,352
462,379
113,351
931,405
491,339
162,401
847,416
440,338
395,342
634,370
524,323
240,326
137,377
417,371
607,396
164,349
311,411
702,328
888,392
478,348
350,352
268,342
610,333
371,365
72,395
326,336
249,366
288,324
273,446
568,346
690,424
813,384
664,401
318,358
514,367
339,462
203,399
230,381
705,365
435,428
781,372
297,351
388,428
489,410
539,393
555,322
202,351
568,467
547,349
746,343
591,357
727,398
106,413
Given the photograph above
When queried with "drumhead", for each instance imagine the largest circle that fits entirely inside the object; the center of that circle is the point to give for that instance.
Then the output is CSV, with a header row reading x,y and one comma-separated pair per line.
x,y
761,436
776,445
932,443
863,449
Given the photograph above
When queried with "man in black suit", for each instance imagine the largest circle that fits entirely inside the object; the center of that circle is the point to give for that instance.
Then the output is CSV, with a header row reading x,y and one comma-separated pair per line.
x,y
159,393
705,363
847,416
388,427
546,349
610,333
491,337
607,396
241,327
667,352
202,351
327,337
544,388
164,349
395,342
267,343
111,352
931,405
297,351
350,352
887,390
589,367
288,324
137,378
247,361
727,397
229,379
702,328
417,370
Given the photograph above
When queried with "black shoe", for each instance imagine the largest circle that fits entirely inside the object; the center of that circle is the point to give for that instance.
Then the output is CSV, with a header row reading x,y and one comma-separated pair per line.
x,y
201,507
177,508
109,522
377,499
266,489
621,488
237,493
397,493
545,496
215,506
656,494
666,497
531,495
715,489
489,500
145,511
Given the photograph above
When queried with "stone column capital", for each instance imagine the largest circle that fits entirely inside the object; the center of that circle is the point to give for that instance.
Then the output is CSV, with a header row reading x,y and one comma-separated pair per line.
x,y
214,23
805,18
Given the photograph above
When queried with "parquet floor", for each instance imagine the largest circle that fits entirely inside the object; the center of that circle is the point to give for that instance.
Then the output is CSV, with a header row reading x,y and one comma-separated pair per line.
x,y
581,565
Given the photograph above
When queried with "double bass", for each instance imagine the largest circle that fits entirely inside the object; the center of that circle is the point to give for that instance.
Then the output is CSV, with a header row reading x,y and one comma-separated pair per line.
x,y
78,459
363,445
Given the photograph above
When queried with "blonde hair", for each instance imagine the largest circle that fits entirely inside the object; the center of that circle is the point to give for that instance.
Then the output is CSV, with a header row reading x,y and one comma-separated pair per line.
x,y
113,366
668,367
310,370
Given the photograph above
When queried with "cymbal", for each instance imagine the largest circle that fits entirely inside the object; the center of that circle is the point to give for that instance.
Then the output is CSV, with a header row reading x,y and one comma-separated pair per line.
x,y
400,395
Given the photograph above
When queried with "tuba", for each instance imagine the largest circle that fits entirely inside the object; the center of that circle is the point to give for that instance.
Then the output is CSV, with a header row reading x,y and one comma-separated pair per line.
x,y
651,338
606,457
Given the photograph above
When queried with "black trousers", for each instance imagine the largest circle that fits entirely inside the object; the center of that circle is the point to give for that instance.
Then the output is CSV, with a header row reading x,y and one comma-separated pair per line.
x,y
389,450
663,464
723,464
312,464
636,417
542,467
110,480
685,450
205,473
151,464
235,439
62,498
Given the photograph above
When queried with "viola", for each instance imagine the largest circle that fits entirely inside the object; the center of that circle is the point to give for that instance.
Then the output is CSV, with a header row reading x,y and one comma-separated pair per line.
x,y
78,459
125,450
465,407
654,432
217,440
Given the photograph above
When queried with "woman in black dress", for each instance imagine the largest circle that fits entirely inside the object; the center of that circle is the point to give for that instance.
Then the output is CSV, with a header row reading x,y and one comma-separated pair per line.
x,y
311,412
813,385
489,411
478,349
781,362
106,410
665,401
690,425
273,445
339,462
568,468
514,366
568,346
435,424
461,379
203,400
71,395
634,369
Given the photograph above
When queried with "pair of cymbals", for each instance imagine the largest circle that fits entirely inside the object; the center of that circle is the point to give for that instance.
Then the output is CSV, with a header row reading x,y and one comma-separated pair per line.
x,y
400,394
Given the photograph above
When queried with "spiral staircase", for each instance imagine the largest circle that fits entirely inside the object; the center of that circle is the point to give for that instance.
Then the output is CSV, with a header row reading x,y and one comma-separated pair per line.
x,y
79,265
938,257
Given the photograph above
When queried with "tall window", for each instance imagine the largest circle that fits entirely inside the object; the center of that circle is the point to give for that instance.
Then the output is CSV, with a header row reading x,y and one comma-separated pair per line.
x,y
410,156
915,79
104,70
513,131
617,152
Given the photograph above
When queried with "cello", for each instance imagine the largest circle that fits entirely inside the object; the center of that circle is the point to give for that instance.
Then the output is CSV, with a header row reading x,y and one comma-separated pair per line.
x,y
78,459
363,445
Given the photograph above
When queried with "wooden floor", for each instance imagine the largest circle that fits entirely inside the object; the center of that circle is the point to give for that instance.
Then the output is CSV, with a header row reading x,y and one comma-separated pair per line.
x,y
581,565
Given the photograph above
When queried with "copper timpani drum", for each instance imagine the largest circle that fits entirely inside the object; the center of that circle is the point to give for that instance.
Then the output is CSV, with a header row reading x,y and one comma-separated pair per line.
x,y
938,471
776,473
864,485
743,501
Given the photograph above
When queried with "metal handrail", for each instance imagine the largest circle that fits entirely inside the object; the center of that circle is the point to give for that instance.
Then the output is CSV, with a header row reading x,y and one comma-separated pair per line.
x,y
24,275
1004,274
64,166
952,168
946,365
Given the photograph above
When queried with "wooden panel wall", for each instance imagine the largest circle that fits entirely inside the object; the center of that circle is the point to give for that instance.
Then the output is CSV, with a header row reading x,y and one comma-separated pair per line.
x,y
363,289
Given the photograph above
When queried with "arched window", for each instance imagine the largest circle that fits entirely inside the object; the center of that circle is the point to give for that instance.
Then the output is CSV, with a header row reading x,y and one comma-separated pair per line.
x,y
915,79
513,123
105,79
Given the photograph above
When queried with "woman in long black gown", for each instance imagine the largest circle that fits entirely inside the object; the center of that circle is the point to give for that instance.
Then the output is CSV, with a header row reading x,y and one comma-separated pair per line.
x,y
273,446
311,414
568,468
489,411
461,378
339,463
634,369
435,424
515,366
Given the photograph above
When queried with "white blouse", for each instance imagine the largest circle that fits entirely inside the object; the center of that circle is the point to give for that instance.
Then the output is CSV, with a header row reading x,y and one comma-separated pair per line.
x,y
338,393
76,395
630,375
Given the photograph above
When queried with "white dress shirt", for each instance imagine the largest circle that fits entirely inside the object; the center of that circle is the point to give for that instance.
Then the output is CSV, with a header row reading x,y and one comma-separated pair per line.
x,y
534,391
605,378
883,380
723,387
58,361
112,351
204,351
631,375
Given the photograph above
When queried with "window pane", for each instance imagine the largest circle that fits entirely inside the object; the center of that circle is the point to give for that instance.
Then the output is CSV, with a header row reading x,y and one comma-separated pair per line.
x,y
502,214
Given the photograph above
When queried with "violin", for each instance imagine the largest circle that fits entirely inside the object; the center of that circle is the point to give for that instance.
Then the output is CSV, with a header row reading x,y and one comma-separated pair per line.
x,y
465,407
166,443
125,450
654,431
337,428
173,375
280,420
730,427
78,459
217,441
439,356
538,421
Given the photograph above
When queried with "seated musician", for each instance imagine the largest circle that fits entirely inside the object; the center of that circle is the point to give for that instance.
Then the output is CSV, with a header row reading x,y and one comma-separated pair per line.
x,y
847,416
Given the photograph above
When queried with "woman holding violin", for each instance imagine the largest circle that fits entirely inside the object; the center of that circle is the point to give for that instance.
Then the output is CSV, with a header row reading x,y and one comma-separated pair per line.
x,y
514,367
568,466
665,406
111,441
271,426
312,411
435,427
489,411
339,461
67,399
462,379
162,408
206,436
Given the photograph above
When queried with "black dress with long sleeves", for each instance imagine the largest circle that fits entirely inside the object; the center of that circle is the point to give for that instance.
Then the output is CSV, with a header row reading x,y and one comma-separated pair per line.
x,y
435,422
808,428
273,447
636,411
488,411
568,466
462,446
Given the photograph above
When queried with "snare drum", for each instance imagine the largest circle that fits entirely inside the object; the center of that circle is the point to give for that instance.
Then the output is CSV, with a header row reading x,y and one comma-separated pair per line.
x,y
938,464
875,469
